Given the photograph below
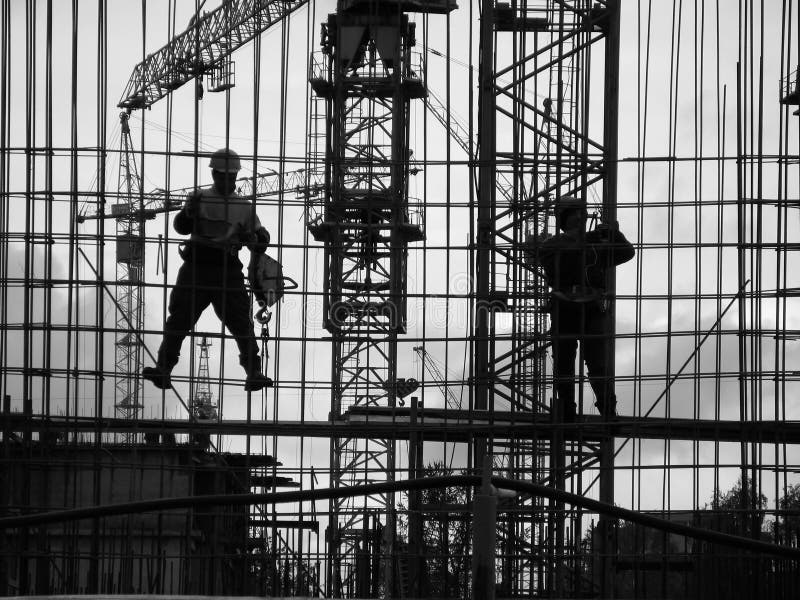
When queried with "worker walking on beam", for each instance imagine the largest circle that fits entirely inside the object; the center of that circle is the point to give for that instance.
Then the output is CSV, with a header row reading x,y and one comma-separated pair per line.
x,y
220,223
575,263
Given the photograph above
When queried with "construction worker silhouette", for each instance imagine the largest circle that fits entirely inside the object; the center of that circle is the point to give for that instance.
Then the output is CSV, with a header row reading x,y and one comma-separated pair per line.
x,y
220,223
575,263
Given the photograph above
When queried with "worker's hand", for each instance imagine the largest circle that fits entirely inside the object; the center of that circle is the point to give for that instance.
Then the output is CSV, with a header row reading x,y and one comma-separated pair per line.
x,y
260,241
609,226
534,238
247,238
607,229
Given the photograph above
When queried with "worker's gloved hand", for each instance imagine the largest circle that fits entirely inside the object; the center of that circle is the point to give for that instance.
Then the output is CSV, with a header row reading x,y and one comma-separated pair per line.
x,y
607,229
247,238
187,218
259,240
533,238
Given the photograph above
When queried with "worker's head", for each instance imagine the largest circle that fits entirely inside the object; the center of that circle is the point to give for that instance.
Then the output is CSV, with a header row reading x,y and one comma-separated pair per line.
x,y
225,166
571,213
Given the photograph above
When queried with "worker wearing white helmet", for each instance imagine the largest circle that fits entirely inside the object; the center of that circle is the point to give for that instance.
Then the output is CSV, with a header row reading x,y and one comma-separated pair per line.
x,y
225,160
219,223
575,263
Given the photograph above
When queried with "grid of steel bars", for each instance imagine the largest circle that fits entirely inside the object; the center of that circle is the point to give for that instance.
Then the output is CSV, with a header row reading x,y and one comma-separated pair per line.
x,y
705,330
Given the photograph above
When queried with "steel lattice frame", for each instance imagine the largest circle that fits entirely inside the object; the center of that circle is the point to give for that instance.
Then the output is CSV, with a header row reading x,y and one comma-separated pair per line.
x,y
727,416
205,45
130,268
367,75
535,134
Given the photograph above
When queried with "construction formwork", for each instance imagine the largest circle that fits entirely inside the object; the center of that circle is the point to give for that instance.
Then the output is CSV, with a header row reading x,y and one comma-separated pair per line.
x,y
406,157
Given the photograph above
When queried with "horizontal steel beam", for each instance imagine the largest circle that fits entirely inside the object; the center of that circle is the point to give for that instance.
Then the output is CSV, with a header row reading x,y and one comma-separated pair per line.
x,y
434,425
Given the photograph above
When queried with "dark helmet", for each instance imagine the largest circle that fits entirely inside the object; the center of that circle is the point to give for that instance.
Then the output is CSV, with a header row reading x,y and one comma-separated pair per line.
x,y
565,204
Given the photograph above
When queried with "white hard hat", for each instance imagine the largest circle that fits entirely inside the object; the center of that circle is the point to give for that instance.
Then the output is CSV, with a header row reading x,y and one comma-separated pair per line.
x,y
225,160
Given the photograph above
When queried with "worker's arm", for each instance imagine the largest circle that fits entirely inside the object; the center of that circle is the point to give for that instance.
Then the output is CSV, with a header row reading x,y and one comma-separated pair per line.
x,y
616,248
538,252
254,235
184,221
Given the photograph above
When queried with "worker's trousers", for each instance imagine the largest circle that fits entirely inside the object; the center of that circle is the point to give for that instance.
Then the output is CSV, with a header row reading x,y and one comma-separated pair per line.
x,y
219,283
583,322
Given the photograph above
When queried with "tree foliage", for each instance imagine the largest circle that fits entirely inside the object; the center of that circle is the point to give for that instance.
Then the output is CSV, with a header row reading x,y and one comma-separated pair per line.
x,y
446,536
787,526
740,510
648,563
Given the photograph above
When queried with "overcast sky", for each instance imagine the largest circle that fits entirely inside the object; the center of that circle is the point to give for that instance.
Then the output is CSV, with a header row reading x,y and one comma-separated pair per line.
x,y
682,96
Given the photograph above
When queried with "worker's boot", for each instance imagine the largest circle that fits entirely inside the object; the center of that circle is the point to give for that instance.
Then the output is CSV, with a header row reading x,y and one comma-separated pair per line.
x,y
159,375
256,380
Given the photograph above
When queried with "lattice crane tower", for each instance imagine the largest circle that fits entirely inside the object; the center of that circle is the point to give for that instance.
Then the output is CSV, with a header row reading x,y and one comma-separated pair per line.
x,y
202,403
130,268
368,75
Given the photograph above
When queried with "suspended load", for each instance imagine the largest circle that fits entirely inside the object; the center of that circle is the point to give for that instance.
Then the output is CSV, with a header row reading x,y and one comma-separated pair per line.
x,y
267,281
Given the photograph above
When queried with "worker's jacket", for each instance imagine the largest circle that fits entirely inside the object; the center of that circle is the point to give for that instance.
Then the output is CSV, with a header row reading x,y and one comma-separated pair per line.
x,y
220,222
576,268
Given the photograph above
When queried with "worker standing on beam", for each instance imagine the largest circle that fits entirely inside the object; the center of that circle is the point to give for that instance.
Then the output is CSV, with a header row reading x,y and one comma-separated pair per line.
x,y
575,263
220,223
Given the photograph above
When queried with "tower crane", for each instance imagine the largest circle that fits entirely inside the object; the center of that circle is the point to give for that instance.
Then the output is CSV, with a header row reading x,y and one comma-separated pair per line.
x,y
202,403
205,47
129,271
433,369
790,90
306,183
365,77
460,135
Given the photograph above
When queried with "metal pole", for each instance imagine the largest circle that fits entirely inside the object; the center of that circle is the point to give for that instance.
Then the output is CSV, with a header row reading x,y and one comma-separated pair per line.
x,y
486,193
610,139
483,538
415,541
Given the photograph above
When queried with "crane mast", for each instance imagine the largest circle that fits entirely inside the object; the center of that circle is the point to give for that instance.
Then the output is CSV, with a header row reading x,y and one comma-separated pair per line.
x,y
129,271
202,403
367,75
